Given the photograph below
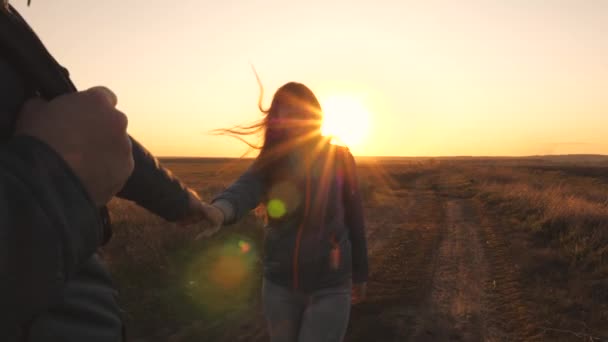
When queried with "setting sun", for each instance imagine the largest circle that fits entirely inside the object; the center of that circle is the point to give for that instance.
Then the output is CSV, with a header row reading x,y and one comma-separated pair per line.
x,y
346,119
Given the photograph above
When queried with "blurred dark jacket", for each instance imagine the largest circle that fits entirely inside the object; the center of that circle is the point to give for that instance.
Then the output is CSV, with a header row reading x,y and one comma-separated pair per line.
x,y
315,233
53,287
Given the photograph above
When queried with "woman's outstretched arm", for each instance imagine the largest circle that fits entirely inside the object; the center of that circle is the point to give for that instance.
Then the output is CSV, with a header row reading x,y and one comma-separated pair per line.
x,y
241,197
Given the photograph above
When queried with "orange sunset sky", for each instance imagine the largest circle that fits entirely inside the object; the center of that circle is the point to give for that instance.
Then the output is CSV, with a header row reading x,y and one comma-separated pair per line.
x,y
403,78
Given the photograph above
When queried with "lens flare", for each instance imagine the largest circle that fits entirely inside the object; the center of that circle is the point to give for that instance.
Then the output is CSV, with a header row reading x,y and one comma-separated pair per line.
x,y
228,271
284,199
244,246
276,208
222,277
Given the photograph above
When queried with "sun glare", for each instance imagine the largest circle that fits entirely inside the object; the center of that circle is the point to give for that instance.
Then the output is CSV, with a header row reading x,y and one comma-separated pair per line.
x,y
346,119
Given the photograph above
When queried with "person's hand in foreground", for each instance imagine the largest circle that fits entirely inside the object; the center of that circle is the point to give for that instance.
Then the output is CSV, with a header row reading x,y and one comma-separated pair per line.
x,y
200,212
88,133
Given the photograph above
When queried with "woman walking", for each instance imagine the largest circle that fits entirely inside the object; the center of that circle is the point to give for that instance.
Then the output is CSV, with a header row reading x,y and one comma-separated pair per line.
x,y
315,249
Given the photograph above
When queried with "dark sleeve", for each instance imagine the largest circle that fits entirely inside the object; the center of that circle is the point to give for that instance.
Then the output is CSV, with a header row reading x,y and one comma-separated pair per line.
x,y
354,218
153,187
49,226
243,195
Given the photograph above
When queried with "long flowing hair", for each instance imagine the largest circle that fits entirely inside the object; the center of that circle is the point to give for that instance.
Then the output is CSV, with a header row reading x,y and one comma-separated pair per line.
x,y
276,143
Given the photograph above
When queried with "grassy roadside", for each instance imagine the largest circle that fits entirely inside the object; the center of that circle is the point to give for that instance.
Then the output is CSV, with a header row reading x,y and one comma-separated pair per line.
x,y
564,220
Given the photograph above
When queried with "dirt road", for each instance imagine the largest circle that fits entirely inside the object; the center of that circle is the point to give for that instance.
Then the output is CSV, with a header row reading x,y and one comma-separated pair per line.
x,y
455,305
441,270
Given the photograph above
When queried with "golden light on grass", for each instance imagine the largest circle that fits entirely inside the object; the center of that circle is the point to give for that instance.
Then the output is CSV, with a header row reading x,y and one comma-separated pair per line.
x,y
346,119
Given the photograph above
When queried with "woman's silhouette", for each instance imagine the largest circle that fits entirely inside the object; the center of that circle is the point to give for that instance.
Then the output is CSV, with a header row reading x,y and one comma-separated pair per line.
x,y
315,260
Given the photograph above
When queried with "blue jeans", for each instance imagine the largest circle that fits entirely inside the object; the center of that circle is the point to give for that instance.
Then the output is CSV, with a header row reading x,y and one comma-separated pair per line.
x,y
321,316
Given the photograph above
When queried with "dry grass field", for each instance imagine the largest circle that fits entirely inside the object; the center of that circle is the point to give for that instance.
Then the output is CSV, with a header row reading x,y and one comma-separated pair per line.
x,y
460,250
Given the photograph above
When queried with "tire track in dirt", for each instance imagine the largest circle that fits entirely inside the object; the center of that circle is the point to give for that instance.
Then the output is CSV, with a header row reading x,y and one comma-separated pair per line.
x,y
454,311
471,289
511,319
401,259
382,220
